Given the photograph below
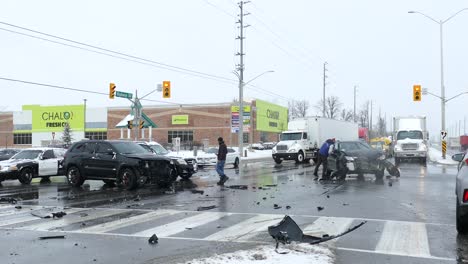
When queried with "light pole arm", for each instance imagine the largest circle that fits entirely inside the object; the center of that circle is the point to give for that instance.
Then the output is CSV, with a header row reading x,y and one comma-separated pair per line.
x,y
455,96
417,12
257,77
454,15
434,95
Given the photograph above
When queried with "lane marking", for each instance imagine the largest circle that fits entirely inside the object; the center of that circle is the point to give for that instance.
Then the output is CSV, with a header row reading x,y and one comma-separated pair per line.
x,y
124,222
29,217
181,225
246,229
71,219
404,239
393,254
328,225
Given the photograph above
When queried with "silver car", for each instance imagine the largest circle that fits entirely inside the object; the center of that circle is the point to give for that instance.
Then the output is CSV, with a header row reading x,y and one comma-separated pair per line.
x,y
461,191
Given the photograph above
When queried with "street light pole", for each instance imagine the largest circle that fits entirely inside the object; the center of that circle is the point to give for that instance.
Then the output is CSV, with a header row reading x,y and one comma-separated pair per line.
x,y
442,86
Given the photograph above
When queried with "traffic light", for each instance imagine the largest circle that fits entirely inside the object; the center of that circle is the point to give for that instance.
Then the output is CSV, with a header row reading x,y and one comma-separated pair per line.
x,y
417,93
166,89
129,124
142,123
111,90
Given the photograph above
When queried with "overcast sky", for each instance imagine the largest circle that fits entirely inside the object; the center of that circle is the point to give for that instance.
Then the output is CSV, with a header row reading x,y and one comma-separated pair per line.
x,y
376,45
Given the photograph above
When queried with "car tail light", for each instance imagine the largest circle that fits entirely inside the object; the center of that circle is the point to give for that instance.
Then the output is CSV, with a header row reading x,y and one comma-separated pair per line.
x,y
466,161
465,196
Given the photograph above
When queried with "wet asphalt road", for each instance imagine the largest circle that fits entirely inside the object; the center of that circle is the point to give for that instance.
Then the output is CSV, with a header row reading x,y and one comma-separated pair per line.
x,y
409,220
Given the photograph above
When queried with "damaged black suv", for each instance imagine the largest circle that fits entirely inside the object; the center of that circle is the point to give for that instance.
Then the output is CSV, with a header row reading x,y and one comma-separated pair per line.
x,y
122,162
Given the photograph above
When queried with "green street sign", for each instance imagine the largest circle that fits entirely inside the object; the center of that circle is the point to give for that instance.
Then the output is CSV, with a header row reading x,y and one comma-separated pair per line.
x,y
123,94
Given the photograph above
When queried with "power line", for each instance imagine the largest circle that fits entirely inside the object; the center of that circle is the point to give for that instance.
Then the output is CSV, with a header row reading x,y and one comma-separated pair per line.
x,y
220,9
162,65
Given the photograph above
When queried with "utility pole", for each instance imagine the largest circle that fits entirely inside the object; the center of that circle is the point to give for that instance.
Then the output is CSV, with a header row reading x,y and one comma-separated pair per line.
x,y
241,78
354,111
136,116
324,85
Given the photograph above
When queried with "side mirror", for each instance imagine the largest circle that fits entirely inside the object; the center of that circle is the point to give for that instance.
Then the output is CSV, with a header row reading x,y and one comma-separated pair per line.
x,y
458,157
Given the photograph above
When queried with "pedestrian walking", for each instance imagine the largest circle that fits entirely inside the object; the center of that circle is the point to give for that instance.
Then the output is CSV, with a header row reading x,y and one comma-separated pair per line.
x,y
322,158
222,152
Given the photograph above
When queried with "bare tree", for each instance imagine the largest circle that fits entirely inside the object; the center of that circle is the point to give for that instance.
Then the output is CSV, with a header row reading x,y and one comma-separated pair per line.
x,y
298,108
346,115
381,126
332,107
363,115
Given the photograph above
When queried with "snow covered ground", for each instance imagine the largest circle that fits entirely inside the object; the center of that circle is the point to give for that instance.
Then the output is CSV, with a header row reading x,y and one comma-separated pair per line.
x,y
435,155
295,253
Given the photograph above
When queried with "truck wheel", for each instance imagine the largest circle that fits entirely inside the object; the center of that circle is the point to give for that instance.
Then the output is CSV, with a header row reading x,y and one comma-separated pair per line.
x,y
278,161
74,176
26,176
300,157
128,179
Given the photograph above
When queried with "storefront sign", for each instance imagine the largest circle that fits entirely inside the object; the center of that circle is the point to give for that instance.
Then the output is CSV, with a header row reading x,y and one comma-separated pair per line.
x,y
235,118
271,117
54,118
180,119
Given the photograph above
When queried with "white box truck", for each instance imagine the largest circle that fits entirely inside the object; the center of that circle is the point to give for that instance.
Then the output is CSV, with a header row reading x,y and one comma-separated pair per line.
x,y
304,137
410,138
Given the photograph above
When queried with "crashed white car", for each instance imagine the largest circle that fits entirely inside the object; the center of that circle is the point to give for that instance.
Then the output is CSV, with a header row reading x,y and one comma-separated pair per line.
x,y
209,157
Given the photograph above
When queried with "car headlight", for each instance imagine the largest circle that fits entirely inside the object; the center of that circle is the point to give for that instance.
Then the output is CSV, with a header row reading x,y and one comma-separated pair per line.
x,y
349,158
292,150
182,161
422,147
381,157
398,148
9,168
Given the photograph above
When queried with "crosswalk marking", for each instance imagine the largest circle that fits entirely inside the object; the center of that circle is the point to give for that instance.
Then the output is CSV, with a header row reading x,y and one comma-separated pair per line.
x,y
328,225
181,225
404,239
29,217
133,220
72,219
246,229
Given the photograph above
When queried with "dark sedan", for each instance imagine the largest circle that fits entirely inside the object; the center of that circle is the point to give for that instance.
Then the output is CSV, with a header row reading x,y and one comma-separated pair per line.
x,y
7,153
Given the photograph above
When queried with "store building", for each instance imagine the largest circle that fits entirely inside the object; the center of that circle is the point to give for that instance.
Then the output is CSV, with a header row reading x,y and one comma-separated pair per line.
x,y
194,124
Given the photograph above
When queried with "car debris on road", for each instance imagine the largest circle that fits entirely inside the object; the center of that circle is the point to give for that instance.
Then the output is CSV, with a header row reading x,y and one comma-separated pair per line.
x,y
153,239
203,208
51,237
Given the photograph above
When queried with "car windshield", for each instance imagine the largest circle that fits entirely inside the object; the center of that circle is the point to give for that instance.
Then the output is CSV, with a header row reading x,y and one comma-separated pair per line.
x,y
212,150
291,136
158,149
411,134
129,148
27,154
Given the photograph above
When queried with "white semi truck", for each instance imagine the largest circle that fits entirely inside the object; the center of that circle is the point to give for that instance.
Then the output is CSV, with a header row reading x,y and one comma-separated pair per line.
x,y
304,137
410,138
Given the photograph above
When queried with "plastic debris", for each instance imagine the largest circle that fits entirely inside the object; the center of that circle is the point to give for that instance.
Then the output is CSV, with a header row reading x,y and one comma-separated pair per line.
x,y
203,208
51,237
198,191
153,239
239,187
320,208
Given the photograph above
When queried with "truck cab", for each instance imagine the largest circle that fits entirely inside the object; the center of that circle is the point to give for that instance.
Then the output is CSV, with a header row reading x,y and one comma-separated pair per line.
x,y
293,145
410,144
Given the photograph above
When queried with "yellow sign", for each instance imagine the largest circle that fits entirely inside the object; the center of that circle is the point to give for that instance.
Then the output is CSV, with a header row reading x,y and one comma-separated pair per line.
x,y
271,117
54,118
236,108
180,119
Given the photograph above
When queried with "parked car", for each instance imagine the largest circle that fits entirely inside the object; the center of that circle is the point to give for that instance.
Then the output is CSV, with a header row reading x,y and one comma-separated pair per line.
x,y
123,162
8,153
355,157
209,157
185,167
31,163
258,146
461,192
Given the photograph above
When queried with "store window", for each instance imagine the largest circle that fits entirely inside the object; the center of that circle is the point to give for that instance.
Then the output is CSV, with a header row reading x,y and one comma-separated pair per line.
x,y
184,135
96,135
22,139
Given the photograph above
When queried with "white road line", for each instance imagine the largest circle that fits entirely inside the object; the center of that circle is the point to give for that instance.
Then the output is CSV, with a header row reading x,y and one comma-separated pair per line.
x,y
72,219
328,225
137,219
181,225
408,239
246,229
394,254
30,217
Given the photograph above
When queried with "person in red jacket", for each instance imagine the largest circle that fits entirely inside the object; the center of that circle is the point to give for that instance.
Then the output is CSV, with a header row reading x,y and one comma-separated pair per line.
x,y
222,152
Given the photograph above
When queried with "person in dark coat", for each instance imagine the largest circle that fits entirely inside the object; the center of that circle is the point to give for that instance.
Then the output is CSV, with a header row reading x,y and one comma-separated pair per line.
x,y
322,158
222,152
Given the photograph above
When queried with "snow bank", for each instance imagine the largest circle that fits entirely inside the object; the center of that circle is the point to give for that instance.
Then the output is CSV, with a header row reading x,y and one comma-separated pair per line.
x,y
435,155
296,253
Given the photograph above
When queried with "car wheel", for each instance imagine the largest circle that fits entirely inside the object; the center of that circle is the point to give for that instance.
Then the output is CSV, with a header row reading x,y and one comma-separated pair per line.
x,y
278,161
26,176
300,157
236,163
128,179
74,176
186,176
462,221
109,182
